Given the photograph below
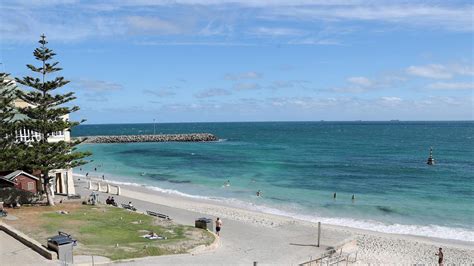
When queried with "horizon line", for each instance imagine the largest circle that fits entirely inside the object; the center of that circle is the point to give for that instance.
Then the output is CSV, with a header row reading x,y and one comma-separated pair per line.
x,y
274,121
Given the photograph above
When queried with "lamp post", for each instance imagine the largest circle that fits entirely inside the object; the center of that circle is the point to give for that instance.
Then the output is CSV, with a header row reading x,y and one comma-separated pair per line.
x,y
153,126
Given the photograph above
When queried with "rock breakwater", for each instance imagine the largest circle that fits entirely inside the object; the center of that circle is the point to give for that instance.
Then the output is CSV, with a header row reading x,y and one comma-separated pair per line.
x,y
193,137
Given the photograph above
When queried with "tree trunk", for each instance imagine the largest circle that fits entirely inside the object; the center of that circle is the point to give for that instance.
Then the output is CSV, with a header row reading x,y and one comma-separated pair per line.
x,y
47,190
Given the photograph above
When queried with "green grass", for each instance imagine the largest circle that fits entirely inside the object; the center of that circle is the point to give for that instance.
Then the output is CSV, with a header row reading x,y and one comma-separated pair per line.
x,y
117,233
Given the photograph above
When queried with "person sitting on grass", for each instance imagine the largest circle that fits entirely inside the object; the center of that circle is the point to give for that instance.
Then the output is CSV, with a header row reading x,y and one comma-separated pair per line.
x,y
107,201
112,202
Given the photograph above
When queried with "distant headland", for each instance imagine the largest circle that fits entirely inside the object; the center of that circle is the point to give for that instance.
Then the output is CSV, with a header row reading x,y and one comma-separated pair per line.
x,y
192,137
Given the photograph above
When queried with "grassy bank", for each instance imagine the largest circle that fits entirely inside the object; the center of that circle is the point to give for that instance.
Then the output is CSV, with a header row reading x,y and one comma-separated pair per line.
x,y
109,231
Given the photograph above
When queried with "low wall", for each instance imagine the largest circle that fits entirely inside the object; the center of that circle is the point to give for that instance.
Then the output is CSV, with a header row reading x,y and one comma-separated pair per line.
x,y
103,187
29,242
194,137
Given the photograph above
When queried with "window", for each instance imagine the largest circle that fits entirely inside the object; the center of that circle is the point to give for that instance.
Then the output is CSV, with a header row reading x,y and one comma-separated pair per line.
x,y
58,134
31,185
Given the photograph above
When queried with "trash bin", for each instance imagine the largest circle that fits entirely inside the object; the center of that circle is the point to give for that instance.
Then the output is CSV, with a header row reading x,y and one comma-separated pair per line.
x,y
204,223
63,245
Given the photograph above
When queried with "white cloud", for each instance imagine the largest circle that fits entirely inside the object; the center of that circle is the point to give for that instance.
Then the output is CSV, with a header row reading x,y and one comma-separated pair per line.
x,y
350,89
361,81
214,28
49,2
434,71
357,85
281,84
71,20
452,86
465,70
438,71
435,16
246,3
212,93
95,85
390,101
244,75
191,43
275,32
313,41
246,86
140,24
161,92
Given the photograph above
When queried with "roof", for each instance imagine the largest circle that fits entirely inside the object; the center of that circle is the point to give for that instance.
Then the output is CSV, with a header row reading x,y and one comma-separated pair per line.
x,y
11,176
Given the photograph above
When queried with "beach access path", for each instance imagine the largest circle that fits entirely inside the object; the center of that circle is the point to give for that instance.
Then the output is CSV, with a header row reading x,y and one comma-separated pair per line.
x,y
241,243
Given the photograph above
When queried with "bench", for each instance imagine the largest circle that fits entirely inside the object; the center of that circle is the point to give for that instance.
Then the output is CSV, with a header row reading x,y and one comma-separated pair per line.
x,y
157,214
128,207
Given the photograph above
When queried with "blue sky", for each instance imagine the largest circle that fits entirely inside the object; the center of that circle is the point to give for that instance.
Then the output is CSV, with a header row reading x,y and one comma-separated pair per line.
x,y
255,60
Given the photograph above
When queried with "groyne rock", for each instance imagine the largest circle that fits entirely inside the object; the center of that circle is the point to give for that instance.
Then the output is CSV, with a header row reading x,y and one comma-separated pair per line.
x,y
193,137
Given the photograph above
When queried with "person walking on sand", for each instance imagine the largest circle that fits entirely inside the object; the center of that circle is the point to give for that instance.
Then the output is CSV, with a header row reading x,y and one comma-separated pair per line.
x,y
218,226
440,256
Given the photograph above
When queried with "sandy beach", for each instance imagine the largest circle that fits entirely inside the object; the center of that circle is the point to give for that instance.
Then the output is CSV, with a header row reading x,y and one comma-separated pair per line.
x,y
249,236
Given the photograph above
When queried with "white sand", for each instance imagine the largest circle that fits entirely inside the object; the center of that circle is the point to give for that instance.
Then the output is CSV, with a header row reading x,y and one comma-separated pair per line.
x,y
249,236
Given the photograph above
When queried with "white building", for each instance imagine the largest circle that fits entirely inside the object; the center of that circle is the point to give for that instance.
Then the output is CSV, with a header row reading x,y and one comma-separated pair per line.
x,y
63,183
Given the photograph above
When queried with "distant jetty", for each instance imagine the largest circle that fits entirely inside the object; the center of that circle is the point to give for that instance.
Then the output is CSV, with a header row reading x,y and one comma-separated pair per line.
x,y
192,137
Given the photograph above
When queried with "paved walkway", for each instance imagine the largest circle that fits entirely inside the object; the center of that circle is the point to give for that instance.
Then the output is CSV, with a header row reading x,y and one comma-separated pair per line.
x,y
13,252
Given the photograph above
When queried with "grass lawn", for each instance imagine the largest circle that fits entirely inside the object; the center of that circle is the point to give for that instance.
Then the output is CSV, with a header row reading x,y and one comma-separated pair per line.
x,y
108,231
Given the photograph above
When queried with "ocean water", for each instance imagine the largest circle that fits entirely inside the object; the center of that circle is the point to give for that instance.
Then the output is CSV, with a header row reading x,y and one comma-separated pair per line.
x,y
299,165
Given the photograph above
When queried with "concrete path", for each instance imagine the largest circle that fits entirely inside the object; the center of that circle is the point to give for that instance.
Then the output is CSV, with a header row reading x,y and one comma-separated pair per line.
x,y
13,252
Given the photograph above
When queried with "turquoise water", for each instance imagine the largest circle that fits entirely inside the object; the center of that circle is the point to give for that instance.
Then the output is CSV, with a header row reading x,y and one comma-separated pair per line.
x,y
299,165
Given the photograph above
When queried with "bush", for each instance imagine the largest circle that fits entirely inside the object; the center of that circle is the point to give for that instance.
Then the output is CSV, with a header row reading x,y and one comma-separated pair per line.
x,y
11,195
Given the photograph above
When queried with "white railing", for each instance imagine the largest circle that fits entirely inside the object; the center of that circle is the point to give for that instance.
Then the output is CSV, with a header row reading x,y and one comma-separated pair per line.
x,y
27,135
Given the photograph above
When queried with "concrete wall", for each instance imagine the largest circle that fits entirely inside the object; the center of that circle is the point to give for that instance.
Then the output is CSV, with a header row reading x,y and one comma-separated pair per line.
x,y
29,242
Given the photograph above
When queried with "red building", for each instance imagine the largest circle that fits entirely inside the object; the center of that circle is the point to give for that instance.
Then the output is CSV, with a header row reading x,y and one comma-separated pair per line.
x,y
21,180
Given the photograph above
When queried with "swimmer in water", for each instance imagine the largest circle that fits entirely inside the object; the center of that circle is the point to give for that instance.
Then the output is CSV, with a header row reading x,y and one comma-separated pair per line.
x,y
227,183
259,193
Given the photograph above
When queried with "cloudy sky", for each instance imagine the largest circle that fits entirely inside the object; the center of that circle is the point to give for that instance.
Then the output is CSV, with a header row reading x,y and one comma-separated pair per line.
x,y
252,60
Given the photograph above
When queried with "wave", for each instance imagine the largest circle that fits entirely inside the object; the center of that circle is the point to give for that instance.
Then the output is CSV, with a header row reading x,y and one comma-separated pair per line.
x,y
164,190
371,225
